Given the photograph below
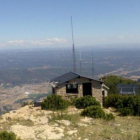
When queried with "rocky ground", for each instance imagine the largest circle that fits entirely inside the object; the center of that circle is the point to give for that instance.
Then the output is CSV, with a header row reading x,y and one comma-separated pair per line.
x,y
32,123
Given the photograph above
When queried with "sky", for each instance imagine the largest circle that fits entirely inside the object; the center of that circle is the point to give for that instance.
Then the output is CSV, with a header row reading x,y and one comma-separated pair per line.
x,y
43,23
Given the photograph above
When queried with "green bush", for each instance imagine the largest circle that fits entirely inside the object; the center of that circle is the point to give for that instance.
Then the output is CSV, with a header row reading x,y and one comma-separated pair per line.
x,y
97,112
54,102
126,111
126,105
94,112
7,136
109,117
86,101
111,100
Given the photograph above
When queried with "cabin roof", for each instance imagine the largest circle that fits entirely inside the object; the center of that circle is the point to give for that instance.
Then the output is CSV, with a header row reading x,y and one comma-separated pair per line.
x,y
67,77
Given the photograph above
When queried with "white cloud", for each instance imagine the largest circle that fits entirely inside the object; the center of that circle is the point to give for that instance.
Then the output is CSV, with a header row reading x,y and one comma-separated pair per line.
x,y
16,42
48,41
56,40
43,42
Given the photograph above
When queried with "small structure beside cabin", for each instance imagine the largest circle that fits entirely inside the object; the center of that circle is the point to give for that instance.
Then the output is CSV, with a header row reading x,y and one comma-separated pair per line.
x,y
127,89
73,84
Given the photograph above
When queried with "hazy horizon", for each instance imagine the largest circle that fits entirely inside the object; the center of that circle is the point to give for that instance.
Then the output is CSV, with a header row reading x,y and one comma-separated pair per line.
x,y
78,48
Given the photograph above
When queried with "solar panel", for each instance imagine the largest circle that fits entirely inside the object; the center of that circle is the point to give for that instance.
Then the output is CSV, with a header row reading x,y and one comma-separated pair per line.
x,y
128,88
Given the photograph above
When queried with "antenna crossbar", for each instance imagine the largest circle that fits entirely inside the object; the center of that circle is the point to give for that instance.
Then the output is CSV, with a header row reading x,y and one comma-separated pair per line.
x,y
73,48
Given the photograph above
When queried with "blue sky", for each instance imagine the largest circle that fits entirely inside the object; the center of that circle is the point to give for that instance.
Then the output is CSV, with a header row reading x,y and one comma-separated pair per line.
x,y
42,23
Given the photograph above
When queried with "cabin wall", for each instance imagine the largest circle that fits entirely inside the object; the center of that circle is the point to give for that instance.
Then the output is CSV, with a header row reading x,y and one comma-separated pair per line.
x,y
97,91
96,88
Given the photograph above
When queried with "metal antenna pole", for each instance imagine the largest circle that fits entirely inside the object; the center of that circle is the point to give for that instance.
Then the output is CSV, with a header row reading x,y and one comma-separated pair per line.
x,y
80,62
92,65
73,48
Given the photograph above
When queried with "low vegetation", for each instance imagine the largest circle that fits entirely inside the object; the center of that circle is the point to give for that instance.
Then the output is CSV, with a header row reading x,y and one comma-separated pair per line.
x,y
126,105
94,112
86,101
74,118
97,112
109,117
92,108
27,103
54,102
8,136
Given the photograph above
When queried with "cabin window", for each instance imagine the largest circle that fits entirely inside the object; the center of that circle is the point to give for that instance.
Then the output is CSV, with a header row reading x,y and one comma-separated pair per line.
x,y
72,88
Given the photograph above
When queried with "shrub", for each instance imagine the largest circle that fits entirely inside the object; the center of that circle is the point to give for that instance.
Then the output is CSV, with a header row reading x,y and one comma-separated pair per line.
x,y
7,136
126,105
97,112
86,101
109,117
126,111
94,112
111,100
54,102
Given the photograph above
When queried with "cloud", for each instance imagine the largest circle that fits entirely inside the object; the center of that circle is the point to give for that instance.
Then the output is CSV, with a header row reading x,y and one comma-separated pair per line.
x,y
48,41
56,40
43,42
16,42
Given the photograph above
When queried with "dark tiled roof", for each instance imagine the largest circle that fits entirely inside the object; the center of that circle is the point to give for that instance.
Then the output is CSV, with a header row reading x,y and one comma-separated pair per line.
x,y
128,88
67,77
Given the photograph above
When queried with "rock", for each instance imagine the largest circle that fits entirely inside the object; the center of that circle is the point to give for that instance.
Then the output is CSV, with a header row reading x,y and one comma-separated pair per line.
x,y
44,132
55,125
40,136
82,124
71,132
87,120
65,122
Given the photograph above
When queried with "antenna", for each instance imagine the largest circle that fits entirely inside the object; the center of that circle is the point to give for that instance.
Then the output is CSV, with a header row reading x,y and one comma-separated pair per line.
x,y
92,65
73,48
80,62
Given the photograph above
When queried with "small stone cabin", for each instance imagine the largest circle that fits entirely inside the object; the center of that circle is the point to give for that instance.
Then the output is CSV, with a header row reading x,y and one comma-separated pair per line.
x,y
73,84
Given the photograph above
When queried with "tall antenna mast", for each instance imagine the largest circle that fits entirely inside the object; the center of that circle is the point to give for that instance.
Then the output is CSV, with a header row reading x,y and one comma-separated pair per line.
x,y
92,65
73,48
80,62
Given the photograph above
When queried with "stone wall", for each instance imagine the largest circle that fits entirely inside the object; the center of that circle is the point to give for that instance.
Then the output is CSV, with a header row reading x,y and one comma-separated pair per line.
x,y
96,88
97,91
